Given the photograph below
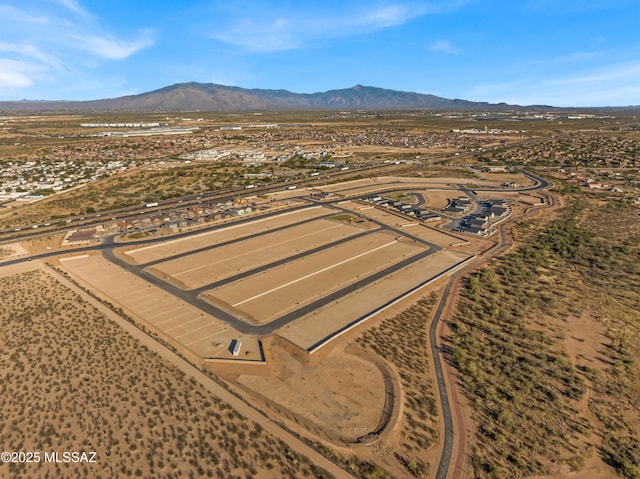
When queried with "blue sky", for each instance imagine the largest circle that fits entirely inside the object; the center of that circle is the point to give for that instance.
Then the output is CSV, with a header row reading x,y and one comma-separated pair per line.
x,y
556,52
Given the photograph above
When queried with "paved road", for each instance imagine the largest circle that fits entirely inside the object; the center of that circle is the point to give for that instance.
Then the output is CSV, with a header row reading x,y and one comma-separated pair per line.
x,y
447,446
445,459
192,296
108,242
136,211
241,325
215,388
443,471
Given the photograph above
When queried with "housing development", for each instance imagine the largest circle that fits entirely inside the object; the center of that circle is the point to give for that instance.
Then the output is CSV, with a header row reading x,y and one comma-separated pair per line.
x,y
321,294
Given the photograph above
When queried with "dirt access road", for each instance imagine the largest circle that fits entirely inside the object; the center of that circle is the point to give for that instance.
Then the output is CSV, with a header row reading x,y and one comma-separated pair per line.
x,y
454,443
212,386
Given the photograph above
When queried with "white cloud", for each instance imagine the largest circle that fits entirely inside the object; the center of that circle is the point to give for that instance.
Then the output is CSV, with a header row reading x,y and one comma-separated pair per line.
x,y
14,74
114,49
57,38
73,6
612,85
612,73
286,30
28,51
443,46
388,16
276,35
11,17
569,58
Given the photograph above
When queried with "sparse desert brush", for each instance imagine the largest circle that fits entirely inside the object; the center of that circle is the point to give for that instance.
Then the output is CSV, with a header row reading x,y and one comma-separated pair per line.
x,y
402,341
73,380
524,389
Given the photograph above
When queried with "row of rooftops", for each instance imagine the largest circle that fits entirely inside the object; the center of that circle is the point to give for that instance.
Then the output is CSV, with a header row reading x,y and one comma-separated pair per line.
x,y
480,224
462,204
405,208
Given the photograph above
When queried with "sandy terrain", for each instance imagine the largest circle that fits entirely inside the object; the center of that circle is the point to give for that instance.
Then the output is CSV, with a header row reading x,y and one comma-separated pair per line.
x,y
361,187
528,199
179,323
435,200
584,338
374,186
168,248
533,200
218,263
265,296
19,268
44,243
12,251
500,195
438,199
340,395
73,380
499,177
287,194
468,245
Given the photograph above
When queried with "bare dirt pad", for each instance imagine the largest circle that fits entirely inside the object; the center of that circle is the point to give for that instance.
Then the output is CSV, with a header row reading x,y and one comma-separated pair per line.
x,y
43,244
437,200
268,295
413,227
312,328
11,251
341,394
74,381
168,248
183,325
362,187
527,199
19,268
203,268
518,178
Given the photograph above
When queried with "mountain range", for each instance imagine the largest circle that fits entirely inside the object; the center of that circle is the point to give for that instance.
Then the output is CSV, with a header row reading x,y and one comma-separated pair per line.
x,y
212,97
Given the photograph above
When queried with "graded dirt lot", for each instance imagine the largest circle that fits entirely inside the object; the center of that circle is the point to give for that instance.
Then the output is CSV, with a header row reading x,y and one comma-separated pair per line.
x,y
532,200
434,200
267,295
182,324
11,251
376,185
341,395
307,331
424,231
388,183
19,268
173,247
43,244
220,262
500,177
438,199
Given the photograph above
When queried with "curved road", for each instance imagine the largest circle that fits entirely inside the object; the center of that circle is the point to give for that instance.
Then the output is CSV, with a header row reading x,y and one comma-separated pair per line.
x,y
448,443
242,407
436,350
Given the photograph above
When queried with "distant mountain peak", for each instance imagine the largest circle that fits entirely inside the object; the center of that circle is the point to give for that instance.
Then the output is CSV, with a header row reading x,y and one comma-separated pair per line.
x,y
192,96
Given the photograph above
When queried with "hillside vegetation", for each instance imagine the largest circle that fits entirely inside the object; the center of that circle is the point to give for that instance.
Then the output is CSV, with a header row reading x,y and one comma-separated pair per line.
x,y
402,341
526,392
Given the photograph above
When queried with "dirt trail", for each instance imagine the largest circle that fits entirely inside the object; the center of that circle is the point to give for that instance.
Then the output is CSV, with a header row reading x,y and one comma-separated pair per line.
x,y
460,467
212,386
